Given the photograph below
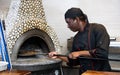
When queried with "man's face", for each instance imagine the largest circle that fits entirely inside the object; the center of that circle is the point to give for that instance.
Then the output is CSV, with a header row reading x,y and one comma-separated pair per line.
x,y
74,24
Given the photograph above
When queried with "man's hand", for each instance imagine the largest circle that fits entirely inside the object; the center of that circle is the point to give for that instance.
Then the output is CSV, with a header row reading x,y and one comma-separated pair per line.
x,y
52,54
74,55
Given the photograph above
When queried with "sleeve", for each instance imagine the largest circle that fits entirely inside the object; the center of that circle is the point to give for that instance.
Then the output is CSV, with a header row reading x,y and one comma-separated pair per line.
x,y
102,42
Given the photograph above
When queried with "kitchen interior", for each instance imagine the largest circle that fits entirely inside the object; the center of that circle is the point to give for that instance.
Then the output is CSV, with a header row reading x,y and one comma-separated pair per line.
x,y
46,28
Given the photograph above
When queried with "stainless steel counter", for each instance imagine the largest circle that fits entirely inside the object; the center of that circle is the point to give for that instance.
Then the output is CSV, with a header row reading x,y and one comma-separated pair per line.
x,y
115,65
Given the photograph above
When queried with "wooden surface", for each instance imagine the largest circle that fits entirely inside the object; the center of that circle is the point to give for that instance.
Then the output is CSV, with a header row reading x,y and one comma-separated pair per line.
x,y
15,72
90,72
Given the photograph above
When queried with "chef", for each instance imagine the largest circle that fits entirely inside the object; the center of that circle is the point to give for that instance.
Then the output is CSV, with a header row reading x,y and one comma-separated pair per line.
x,y
91,40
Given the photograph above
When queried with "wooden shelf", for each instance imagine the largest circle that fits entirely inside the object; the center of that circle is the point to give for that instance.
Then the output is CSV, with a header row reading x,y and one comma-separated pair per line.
x,y
90,72
15,72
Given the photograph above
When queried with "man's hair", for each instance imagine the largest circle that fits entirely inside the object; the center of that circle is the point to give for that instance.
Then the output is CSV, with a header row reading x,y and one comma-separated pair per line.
x,y
75,12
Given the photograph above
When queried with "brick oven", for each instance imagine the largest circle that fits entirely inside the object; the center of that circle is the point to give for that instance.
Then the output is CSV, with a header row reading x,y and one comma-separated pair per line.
x,y
27,31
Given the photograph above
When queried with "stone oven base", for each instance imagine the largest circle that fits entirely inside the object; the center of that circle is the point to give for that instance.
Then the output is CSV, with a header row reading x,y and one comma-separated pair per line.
x,y
39,66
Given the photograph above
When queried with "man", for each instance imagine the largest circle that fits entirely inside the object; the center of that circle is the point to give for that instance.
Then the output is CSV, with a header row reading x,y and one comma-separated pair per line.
x,y
92,40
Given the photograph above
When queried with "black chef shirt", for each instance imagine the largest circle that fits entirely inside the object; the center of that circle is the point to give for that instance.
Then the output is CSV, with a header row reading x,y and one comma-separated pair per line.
x,y
96,40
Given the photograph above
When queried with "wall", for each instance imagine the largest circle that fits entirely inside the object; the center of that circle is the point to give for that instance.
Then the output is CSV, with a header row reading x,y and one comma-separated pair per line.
x,y
4,5
100,11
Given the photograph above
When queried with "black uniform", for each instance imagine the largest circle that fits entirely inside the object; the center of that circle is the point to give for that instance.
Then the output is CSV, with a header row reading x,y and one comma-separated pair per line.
x,y
96,40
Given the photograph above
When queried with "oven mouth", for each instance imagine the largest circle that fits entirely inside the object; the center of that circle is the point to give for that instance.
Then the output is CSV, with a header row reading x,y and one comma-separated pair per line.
x,y
33,40
32,47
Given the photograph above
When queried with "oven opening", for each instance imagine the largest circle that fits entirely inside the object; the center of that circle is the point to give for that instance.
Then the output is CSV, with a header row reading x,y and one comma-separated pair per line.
x,y
32,47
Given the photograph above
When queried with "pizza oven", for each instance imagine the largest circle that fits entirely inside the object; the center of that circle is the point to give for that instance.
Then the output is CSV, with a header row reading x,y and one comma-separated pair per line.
x,y
30,38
